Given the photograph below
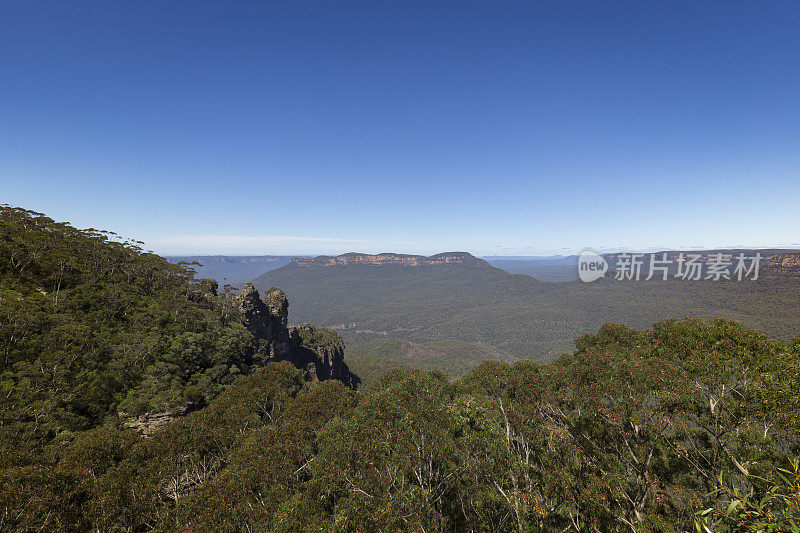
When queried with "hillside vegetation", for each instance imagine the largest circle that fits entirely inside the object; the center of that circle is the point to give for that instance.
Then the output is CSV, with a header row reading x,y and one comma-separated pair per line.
x,y
372,359
684,425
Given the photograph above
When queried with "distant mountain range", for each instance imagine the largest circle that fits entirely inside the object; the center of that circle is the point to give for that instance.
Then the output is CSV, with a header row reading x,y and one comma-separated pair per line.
x,y
457,298
236,270
446,258
564,268
232,269
554,269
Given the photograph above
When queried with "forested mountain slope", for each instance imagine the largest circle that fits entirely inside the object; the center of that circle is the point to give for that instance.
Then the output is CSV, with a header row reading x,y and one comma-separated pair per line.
x,y
93,329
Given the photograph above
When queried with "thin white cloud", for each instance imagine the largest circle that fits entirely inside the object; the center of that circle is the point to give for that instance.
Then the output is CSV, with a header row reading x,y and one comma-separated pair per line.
x,y
250,244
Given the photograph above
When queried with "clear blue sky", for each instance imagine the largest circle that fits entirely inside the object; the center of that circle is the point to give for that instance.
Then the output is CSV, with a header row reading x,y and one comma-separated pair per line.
x,y
493,127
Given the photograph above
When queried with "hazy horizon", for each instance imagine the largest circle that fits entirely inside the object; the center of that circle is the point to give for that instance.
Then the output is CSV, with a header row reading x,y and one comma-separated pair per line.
x,y
794,247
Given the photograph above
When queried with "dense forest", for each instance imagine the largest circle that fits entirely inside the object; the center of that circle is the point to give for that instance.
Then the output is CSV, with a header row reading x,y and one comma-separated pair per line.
x,y
685,425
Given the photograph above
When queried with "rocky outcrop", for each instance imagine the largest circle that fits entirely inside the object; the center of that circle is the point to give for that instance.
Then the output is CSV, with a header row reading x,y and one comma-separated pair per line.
x,y
148,423
319,352
447,258
267,322
278,304
324,350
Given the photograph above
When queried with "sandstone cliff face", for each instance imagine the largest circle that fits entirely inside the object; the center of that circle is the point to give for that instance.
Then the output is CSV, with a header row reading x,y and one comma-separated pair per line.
x,y
447,258
278,304
319,352
148,423
788,263
267,323
322,352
